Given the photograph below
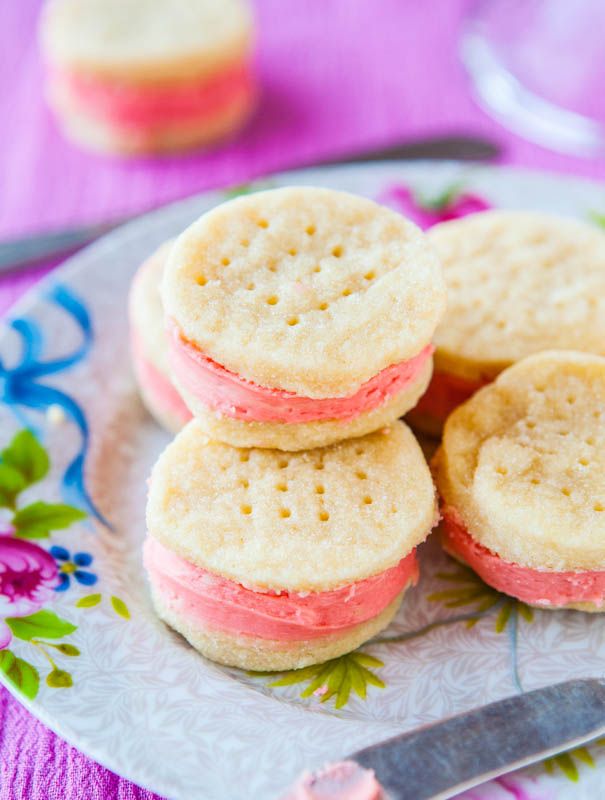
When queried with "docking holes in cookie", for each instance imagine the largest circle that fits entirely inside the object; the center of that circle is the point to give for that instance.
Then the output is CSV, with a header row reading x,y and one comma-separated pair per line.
x,y
288,486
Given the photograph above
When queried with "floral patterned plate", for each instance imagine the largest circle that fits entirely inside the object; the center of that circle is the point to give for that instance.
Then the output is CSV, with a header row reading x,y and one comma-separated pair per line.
x,y
79,643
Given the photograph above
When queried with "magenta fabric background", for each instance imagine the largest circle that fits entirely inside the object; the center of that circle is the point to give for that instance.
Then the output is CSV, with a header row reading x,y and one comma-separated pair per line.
x,y
338,75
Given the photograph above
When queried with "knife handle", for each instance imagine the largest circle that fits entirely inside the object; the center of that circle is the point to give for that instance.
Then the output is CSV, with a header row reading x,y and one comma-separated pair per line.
x,y
436,148
439,761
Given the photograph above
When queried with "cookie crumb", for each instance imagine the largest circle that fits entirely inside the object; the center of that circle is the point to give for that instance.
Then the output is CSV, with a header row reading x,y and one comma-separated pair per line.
x,y
55,415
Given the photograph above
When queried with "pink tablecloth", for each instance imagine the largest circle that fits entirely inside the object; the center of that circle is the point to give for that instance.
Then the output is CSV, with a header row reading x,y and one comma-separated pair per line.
x,y
337,75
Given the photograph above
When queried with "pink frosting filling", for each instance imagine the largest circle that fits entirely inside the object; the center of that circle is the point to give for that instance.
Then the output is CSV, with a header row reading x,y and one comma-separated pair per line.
x,y
538,587
343,781
445,393
233,396
140,106
222,604
156,384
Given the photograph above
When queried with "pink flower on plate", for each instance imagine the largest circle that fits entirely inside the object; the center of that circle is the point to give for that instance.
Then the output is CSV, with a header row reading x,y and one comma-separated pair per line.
x,y
28,576
450,204
508,787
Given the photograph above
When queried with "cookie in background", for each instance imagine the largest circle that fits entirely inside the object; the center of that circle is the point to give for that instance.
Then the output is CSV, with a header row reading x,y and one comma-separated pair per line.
x,y
301,316
518,283
267,560
149,344
521,475
148,76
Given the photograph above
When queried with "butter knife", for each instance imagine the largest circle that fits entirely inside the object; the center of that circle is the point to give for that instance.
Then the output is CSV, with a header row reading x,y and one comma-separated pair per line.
x,y
441,760
22,252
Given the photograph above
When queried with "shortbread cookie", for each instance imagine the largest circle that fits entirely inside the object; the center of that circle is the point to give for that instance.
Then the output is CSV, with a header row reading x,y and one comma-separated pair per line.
x,y
344,779
521,473
270,561
301,316
149,345
518,283
145,76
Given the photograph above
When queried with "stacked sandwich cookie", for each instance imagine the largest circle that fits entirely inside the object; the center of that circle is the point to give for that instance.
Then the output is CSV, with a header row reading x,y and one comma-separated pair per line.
x,y
521,474
296,318
518,283
148,76
301,316
149,345
271,561
344,780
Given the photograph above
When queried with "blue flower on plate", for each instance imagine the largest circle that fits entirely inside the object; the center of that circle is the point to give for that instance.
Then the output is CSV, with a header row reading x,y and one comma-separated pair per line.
x,y
69,566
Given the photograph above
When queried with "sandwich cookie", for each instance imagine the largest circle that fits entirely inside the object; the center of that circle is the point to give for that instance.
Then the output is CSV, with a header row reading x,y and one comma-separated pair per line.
x,y
145,76
518,283
273,561
521,474
344,780
301,316
149,345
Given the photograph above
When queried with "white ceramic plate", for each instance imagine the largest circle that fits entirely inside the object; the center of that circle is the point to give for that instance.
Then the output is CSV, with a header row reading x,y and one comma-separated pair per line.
x,y
133,695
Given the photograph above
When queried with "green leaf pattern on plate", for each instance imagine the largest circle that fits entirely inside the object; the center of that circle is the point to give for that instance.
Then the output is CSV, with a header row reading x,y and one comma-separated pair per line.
x,y
26,455
335,678
23,463
120,607
42,623
20,674
466,589
11,483
568,762
89,601
38,519
59,679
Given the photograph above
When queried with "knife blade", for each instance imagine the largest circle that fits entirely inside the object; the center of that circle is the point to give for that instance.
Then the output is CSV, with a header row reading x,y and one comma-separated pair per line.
x,y
439,761
22,252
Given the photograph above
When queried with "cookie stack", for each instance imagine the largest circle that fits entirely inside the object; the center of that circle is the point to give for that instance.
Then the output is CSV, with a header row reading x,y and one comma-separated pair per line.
x,y
149,344
521,473
148,76
518,283
520,469
284,517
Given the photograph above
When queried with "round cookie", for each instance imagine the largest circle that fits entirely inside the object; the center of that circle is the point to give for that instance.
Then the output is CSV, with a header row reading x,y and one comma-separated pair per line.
x,y
149,345
521,474
301,316
145,76
268,560
518,283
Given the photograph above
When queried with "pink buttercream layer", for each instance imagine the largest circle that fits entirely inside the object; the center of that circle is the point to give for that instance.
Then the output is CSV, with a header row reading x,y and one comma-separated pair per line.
x,y
233,396
222,604
156,384
136,105
445,393
538,587
345,780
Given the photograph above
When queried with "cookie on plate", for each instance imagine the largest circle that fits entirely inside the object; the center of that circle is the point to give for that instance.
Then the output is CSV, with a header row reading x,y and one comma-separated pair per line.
x,y
521,474
518,282
301,316
148,76
342,779
268,560
149,344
